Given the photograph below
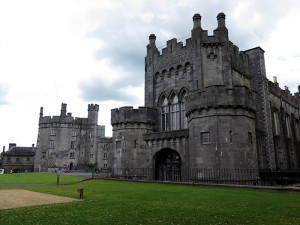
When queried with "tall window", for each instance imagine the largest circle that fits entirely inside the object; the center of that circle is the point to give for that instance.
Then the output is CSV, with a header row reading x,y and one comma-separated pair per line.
x,y
288,126
276,122
250,140
183,118
51,144
105,155
165,115
175,119
73,144
173,116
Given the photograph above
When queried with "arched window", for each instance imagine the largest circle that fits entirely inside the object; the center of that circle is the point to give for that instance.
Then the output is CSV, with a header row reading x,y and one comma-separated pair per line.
x,y
164,114
175,113
183,118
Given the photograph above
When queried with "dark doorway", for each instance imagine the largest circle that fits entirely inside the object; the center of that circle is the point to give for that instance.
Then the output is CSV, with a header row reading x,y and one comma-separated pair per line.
x,y
71,166
167,165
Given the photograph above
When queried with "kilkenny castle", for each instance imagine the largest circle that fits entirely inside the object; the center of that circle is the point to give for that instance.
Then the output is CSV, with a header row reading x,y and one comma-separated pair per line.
x,y
207,105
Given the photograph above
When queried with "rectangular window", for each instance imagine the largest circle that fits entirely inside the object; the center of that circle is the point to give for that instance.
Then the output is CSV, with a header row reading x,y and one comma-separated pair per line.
x,y
205,137
43,155
105,155
175,116
250,141
276,122
288,126
17,160
73,144
52,132
72,155
27,159
74,133
51,144
8,160
165,118
135,144
105,166
118,144
91,156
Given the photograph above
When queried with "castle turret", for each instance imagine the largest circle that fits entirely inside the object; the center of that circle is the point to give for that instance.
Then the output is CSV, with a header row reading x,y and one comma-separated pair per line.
x,y
63,111
221,32
93,110
197,21
221,20
41,112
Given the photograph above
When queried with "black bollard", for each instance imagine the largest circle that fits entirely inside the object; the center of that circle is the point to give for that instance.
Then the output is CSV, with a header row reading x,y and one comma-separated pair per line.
x,y
57,180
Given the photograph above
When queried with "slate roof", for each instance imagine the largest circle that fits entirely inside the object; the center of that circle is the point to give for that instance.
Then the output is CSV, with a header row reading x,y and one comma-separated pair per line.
x,y
20,151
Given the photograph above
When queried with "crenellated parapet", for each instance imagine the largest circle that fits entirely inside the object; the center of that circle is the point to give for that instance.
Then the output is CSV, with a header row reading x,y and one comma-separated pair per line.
x,y
93,107
285,94
126,115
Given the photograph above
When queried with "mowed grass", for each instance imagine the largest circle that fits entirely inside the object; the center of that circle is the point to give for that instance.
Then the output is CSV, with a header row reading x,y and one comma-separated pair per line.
x,y
117,202
37,178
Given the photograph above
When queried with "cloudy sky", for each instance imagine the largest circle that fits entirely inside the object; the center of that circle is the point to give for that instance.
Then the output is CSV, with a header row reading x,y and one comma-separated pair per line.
x,y
81,52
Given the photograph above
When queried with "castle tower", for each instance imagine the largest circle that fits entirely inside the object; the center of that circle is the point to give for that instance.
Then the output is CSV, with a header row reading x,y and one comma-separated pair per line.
x,y
93,110
221,114
129,126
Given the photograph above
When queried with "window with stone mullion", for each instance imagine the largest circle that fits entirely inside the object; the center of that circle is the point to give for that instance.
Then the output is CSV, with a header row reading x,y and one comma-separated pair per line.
x,y
175,118
165,118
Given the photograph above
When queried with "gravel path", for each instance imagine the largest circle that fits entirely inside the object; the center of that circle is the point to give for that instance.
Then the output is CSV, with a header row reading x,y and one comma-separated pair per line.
x,y
23,198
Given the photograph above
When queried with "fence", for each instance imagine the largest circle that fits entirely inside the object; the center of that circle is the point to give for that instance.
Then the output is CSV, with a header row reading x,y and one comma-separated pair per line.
x,y
206,176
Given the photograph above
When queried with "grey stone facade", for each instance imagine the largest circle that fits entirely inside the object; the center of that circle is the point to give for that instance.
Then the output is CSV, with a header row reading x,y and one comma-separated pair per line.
x,y
207,105
71,143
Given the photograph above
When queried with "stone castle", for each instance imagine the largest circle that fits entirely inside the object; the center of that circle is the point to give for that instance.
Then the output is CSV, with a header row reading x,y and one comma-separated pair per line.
x,y
207,105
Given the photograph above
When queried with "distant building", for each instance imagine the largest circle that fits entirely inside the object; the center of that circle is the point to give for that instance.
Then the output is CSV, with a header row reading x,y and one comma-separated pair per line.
x,y
69,143
18,158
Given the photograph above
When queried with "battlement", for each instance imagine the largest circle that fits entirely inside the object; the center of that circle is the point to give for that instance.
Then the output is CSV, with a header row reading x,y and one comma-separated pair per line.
x,y
66,118
128,114
285,94
176,53
93,107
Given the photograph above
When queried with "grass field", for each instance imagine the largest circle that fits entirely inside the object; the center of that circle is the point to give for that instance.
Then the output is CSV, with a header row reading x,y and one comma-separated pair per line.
x,y
37,178
116,202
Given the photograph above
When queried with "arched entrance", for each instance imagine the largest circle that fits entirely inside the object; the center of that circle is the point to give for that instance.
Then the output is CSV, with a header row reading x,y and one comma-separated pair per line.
x,y
71,166
167,165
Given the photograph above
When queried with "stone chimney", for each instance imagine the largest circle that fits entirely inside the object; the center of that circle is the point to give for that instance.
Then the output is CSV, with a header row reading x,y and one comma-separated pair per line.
x,y
197,21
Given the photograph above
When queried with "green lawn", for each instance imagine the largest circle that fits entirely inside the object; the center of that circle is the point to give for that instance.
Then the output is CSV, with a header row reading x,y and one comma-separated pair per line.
x,y
36,178
116,202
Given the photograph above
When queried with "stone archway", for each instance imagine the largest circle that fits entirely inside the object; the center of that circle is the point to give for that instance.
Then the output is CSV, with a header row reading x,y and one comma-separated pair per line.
x,y
167,165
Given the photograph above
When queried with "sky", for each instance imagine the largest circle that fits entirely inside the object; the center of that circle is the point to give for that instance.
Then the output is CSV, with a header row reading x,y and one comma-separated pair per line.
x,y
80,52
